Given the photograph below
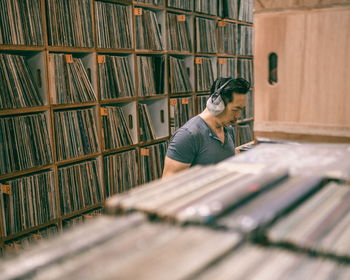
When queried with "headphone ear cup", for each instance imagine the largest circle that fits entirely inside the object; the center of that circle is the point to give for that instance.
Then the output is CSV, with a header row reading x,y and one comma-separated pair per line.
x,y
217,106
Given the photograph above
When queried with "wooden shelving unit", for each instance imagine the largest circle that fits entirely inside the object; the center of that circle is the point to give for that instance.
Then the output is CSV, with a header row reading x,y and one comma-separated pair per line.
x,y
49,107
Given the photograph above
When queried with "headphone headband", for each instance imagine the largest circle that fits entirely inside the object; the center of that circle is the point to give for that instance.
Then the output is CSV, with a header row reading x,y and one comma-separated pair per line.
x,y
218,90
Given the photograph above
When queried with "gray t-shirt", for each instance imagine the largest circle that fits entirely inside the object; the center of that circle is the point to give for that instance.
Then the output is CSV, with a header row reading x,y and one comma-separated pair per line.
x,y
196,143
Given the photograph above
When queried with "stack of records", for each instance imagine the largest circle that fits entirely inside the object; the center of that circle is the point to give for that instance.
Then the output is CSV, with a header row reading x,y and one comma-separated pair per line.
x,y
30,202
256,263
181,110
270,205
227,67
69,23
245,39
18,87
21,22
230,8
75,133
209,7
152,161
154,2
199,196
205,34
181,4
116,132
123,248
69,80
121,172
246,10
25,142
202,102
204,73
326,160
77,220
179,76
115,76
245,70
321,224
80,186
15,246
227,38
113,26
179,36
245,134
151,75
148,35
147,132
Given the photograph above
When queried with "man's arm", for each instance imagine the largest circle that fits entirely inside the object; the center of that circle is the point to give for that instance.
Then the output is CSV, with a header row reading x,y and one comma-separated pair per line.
x,y
172,166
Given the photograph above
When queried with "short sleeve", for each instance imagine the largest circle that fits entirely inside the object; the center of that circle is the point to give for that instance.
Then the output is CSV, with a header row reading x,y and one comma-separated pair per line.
x,y
182,146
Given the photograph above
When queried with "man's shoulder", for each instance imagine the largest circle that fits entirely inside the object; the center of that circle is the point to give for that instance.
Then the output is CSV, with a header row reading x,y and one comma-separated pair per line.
x,y
194,126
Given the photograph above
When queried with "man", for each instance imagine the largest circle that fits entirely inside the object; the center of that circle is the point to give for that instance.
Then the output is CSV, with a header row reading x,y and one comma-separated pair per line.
x,y
208,138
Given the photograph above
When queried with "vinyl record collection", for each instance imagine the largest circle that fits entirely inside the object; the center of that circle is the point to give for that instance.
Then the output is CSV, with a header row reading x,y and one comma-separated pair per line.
x,y
75,133
69,80
179,75
244,134
115,76
205,73
248,109
209,194
255,262
152,248
73,222
181,4
18,87
246,10
227,67
153,2
327,160
151,74
146,126
21,22
69,23
88,81
25,142
113,23
30,201
77,220
260,211
116,131
206,7
233,204
16,245
121,172
202,102
206,42
148,35
79,186
179,36
198,198
245,69
321,223
227,38
152,161
181,110
245,39
230,8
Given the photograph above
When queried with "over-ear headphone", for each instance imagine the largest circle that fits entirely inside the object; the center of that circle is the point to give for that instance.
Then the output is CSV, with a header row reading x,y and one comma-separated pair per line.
x,y
215,103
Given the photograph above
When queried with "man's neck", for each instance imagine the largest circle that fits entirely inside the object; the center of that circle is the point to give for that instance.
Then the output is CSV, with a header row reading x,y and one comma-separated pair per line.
x,y
212,121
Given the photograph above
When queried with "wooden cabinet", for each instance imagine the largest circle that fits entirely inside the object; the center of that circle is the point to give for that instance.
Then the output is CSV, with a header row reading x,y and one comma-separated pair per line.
x,y
311,98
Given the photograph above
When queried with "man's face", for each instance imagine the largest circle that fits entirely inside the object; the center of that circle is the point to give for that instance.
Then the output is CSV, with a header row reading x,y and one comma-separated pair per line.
x,y
233,109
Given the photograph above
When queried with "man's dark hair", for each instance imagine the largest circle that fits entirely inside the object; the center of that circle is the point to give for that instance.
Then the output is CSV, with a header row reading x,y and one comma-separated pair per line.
x,y
239,85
